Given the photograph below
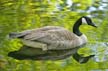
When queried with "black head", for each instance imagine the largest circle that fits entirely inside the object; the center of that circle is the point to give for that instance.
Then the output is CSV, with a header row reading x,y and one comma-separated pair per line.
x,y
87,20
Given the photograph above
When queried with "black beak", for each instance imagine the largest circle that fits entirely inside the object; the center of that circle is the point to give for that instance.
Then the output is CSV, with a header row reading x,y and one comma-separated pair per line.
x,y
93,25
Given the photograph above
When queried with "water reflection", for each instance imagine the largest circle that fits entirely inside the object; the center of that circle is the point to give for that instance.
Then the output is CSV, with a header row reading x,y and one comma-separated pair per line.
x,y
99,70
100,49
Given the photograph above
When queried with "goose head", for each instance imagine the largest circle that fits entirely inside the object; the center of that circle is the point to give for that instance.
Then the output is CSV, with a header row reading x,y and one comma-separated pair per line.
x,y
87,20
82,20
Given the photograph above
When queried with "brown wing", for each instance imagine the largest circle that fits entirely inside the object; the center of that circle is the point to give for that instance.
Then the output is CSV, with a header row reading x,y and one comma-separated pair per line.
x,y
39,32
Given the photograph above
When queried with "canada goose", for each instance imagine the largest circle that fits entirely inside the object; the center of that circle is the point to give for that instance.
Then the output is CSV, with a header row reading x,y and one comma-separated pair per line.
x,y
42,43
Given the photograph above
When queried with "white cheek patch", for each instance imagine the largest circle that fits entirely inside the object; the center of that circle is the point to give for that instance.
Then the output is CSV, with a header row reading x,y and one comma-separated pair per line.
x,y
84,21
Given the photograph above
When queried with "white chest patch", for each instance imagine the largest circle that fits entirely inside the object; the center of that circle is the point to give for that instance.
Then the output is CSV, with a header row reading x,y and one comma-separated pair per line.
x,y
83,39
84,21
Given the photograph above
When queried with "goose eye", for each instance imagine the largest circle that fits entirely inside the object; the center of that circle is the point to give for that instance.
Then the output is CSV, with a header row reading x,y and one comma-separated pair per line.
x,y
90,21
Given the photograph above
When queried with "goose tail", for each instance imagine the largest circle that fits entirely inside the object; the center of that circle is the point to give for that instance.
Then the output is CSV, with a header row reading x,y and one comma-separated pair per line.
x,y
16,35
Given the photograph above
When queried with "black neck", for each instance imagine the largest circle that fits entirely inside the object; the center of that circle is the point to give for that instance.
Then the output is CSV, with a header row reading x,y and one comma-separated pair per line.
x,y
76,27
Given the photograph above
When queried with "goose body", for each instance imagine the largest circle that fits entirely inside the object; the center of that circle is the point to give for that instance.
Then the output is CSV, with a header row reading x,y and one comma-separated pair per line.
x,y
51,38
50,42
